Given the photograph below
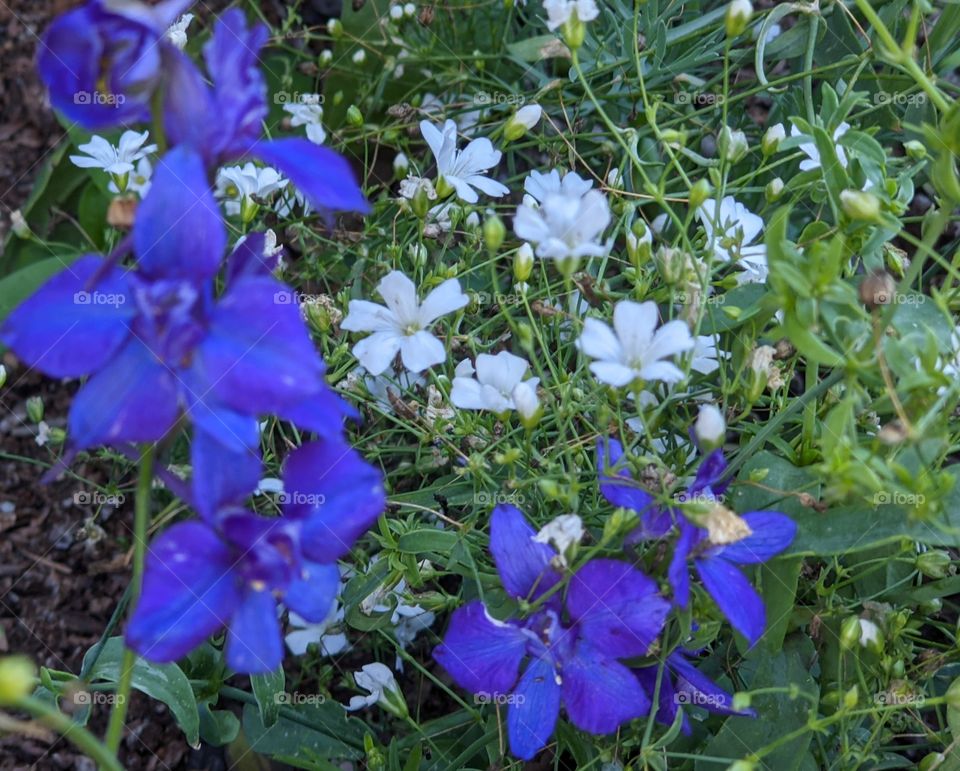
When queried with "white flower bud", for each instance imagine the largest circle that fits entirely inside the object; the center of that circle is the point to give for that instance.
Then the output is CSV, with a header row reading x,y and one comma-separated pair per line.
x,y
522,121
527,404
772,139
860,205
359,56
400,162
739,13
710,428
396,12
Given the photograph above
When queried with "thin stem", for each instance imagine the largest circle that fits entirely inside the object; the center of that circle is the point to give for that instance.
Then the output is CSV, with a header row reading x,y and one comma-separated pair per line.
x,y
141,521
82,739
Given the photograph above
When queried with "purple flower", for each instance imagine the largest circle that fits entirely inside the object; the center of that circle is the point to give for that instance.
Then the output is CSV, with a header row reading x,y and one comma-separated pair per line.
x,y
621,490
224,121
157,346
102,62
230,571
727,541
682,683
612,611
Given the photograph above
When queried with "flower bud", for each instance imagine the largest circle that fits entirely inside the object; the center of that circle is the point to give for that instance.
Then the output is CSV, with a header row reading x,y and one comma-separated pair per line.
x,y
334,28
851,697
3,375
742,765
523,262
401,163
409,10
953,694
741,701
674,138
522,121
915,150
772,138
527,404
860,205
773,190
494,231
326,57
354,116
35,409
19,225
18,678
359,56
699,193
934,564
733,144
738,16
396,12
248,209
849,632
710,428
574,30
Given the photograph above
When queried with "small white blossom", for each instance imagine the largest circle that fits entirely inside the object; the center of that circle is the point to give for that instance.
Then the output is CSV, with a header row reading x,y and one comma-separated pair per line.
x,y
810,148
710,428
403,325
559,12
240,186
177,32
635,349
869,633
119,160
706,354
43,433
463,169
400,164
561,532
526,402
379,681
308,113
305,634
139,181
538,187
492,389
731,233
412,185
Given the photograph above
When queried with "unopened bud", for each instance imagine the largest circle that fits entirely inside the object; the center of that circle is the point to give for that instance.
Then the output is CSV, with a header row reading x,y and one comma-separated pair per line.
x,y
773,190
354,116
733,144
527,404
19,225
35,409
915,150
710,428
699,193
523,262
334,28
772,138
860,205
18,678
522,121
738,16
934,564
494,231
401,163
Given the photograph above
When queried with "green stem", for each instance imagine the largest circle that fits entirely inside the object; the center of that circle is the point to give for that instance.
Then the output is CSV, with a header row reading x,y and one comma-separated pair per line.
x,y
141,520
82,739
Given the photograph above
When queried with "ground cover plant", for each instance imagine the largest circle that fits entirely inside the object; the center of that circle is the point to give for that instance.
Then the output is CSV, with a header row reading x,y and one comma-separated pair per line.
x,y
560,384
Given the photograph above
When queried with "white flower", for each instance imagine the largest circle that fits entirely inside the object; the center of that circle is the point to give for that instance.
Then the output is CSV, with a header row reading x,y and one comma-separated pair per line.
x,y
408,620
43,433
559,12
561,532
308,112
400,163
382,387
772,138
463,169
537,187
100,154
379,681
139,181
305,634
710,428
177,32
526,402
731,233
706,354
522,121
412,185
810,148
638,349
869,633
403,325
496,378
564,219
240,186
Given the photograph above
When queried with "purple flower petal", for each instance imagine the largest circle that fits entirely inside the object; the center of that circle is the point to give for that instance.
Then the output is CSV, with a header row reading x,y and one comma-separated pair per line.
x,y
523,564
709,472
677,573
179,231
734,595
667,702
616,607
189,592
619,487
312,594
132,399
532,715
480,654
248,259
224,473
700,690
187,100
772,533
600,694
254,642
68,328
337,495
323,176
323,412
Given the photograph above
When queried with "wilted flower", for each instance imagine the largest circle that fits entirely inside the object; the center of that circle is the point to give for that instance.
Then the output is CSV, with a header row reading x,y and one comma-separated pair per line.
x,y
635,349
177,32
562,533
403,325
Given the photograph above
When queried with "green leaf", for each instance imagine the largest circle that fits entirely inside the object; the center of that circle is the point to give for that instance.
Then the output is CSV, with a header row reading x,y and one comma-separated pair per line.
x,y
218,726
163,682
428,540
319,728
18,286
268,689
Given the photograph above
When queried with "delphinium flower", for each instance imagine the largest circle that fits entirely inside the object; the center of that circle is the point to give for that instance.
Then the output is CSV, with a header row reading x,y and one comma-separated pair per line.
x,y
462,171
102,61
243,188
492,388
731,232
809,148
157,346
118,161
403,325
563,219
682,683
572,649
308,112
635,349
231,569
720,542
619,487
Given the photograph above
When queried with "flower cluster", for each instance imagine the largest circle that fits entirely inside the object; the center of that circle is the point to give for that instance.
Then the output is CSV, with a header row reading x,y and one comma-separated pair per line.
x,y
173,332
